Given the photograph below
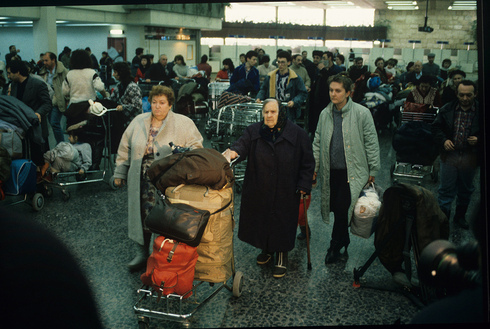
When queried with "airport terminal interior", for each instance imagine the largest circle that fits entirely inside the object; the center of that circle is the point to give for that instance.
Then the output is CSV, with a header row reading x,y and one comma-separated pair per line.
x,y
91,218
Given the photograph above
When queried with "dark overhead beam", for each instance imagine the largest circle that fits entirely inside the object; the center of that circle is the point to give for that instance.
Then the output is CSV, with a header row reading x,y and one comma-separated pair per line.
x,y
290,31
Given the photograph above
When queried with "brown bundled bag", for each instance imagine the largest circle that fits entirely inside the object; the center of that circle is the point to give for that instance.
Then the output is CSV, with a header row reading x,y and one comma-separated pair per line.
x,y
201,166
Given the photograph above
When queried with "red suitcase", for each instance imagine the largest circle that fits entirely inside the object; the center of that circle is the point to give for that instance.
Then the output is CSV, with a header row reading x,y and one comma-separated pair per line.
x,y
170,267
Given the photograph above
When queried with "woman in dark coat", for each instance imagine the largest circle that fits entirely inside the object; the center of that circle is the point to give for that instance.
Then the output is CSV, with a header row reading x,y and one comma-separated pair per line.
x,y
280,167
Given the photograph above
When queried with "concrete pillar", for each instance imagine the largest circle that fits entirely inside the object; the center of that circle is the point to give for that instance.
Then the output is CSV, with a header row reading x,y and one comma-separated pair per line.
x,y
44,32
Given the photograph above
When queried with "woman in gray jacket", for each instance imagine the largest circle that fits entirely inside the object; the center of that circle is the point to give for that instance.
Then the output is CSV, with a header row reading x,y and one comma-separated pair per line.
x,y
146,140
346,152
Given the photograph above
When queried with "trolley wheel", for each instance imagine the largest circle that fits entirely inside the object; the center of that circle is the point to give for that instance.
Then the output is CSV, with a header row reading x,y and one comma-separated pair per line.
x,y
238,284
112,184
65,195
37,202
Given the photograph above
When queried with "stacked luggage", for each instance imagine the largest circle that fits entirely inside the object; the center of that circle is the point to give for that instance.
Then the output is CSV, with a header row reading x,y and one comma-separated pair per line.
x,y
196,181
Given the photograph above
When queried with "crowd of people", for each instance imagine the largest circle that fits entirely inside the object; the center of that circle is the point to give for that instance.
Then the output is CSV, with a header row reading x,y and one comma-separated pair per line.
x,y
337,145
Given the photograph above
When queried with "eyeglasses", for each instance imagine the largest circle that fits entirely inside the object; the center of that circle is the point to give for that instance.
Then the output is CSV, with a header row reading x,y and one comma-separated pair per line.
x,y
282,62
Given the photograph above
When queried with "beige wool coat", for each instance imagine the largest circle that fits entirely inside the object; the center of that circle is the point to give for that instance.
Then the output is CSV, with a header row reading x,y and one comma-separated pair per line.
x,y
177,128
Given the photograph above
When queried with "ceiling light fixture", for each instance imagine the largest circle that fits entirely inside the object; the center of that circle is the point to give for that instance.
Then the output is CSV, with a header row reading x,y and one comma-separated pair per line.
x,y
463,5
402,5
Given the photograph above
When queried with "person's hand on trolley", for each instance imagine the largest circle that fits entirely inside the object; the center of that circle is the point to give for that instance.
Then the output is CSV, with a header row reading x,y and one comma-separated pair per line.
x,y
119,182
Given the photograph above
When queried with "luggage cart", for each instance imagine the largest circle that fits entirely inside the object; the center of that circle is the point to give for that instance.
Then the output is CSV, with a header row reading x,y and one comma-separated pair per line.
x,y
22,185
215,89
62,180
413,167
181,308
147,86
227,125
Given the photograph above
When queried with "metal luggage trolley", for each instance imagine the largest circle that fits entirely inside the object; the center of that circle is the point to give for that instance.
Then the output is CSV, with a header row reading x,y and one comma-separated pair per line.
x,y
405,169
227,124
28,192
62,180
215,89
179,308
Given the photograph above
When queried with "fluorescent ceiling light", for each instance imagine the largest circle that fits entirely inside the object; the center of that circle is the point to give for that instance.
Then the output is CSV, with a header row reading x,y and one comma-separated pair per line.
x,y
118,32
402,5
339,3
463,5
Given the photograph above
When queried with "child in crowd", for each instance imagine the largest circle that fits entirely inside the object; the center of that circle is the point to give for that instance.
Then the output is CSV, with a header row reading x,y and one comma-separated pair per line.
x,y
72,156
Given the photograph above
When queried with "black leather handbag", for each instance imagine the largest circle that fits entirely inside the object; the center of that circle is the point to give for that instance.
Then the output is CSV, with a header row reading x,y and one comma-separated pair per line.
x,y
178,221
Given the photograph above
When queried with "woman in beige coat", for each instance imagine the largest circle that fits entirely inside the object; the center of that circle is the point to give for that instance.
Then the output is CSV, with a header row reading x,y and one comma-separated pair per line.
x,y
146,140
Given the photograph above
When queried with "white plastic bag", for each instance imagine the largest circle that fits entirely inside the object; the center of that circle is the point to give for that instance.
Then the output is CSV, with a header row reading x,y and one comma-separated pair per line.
x,y
366,212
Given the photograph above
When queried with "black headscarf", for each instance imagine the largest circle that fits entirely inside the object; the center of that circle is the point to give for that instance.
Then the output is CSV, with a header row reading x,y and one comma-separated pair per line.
x,y
272,134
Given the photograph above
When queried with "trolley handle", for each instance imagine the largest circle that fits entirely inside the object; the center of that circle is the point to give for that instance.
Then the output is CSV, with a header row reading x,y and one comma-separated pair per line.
x,y
234,161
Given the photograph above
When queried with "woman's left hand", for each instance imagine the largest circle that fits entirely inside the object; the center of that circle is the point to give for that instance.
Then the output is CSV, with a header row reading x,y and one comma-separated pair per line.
x,y
119,108
371,179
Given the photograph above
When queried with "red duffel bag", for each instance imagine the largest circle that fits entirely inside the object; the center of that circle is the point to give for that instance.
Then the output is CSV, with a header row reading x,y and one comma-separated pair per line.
x,y
170,267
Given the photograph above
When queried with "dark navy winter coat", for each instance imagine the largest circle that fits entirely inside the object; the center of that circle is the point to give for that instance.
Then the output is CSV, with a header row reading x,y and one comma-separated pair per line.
x,y
275,172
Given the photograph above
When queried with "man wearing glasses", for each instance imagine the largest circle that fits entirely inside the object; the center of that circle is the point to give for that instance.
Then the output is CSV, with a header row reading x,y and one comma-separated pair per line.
x,y
284,85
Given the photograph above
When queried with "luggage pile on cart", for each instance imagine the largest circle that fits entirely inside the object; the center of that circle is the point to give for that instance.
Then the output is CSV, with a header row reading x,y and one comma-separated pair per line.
x,y
103,136
21,153
176,292
413,143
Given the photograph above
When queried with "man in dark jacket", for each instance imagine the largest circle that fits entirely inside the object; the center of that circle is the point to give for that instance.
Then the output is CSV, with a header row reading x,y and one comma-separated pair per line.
x,y
33,92
280,167
356,70
284,85
160,71
319,95
456,133
246,77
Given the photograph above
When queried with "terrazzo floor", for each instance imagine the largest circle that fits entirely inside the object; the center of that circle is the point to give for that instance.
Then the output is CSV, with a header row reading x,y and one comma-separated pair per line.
x,y
93,224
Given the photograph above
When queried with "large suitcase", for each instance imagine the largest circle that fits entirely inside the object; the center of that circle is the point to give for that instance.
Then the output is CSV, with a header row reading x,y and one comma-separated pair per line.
x,y
22,178
215,251
170,267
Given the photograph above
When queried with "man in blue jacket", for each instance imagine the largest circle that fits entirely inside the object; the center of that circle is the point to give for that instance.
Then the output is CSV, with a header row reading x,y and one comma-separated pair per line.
x,y
245,78
284,85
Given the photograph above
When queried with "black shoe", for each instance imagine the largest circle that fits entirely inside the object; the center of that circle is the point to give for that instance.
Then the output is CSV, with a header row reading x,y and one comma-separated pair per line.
x,y
280,266
332,256
333,253
264,257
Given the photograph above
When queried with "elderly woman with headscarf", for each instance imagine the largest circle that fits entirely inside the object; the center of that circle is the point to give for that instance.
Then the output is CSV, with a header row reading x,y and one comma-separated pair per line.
x,y
279,169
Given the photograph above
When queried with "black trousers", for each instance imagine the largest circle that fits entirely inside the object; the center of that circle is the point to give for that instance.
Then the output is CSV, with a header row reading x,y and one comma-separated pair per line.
x,y
339,204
